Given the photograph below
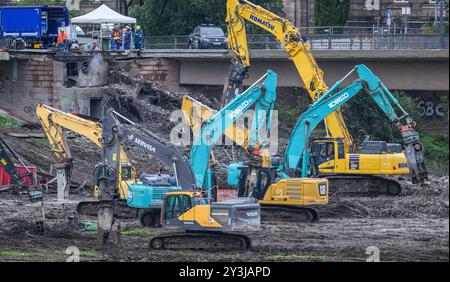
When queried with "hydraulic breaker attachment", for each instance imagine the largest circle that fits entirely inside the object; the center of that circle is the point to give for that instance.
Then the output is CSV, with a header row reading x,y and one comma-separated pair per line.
x,y
63,175
37,210
414,153
234,82
108,225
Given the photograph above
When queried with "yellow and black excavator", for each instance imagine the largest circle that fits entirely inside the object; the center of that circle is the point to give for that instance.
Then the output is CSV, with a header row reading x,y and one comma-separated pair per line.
x,y
372,163
54,123
292,199
204,225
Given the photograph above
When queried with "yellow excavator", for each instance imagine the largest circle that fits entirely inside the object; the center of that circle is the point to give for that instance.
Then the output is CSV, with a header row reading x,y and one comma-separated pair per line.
x,y
202,225
293,199
375,158
54,122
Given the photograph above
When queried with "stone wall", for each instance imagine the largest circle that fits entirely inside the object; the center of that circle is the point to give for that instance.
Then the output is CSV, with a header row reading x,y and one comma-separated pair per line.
x,y
366,12
40,79
162,71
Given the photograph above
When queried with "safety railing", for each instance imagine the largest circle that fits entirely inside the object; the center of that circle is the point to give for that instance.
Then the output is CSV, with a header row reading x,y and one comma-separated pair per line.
x,y
321,41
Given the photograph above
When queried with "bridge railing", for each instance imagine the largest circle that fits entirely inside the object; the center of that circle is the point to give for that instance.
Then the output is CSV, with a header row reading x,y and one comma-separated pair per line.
x,y
320,41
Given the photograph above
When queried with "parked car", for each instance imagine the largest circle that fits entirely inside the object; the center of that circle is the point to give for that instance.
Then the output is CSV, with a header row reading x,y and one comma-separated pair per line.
x,y
208,36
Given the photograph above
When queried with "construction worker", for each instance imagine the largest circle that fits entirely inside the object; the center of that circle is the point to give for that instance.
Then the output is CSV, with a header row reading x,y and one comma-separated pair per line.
x,y
127,38
116,39
61,37
138,37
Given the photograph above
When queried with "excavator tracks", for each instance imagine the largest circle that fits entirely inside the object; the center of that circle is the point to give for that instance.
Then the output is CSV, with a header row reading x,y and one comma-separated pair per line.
x,y
363,185
288,213
200,241
90,208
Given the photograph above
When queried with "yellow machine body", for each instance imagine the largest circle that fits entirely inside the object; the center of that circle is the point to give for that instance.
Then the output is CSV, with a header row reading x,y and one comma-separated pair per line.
x,y
297,192
54,122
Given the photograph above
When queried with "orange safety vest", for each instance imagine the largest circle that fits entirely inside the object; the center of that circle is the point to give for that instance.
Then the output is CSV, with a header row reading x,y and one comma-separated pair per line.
x,y
61,37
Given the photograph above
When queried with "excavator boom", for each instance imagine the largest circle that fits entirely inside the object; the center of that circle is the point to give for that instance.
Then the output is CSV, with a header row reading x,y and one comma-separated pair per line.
x,y
54,122
263,93
241,11
297,156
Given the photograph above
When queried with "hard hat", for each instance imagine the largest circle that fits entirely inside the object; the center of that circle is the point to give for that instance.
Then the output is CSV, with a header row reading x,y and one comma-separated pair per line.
x,y
61,29
138,27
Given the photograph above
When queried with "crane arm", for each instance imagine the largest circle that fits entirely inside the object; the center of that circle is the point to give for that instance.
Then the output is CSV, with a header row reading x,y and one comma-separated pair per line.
x,y
196,114
53,122
239,11
297,155
262,92
152,145
8,165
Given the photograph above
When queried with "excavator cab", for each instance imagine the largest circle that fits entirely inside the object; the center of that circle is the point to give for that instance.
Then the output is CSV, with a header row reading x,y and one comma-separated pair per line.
x,y
326,152
266,176
127,172
205,223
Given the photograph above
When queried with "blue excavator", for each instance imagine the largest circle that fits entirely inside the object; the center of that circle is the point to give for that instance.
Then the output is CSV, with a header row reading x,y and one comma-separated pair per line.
x,y
182,206
304,158
295,198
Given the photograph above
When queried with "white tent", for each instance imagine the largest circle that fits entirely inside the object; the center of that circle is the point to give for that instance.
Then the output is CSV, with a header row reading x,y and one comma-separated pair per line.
x,y
103,14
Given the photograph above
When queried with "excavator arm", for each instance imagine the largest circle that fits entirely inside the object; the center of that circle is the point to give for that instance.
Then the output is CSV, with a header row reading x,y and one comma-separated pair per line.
x,y
240,11
297,155
151,144
263,93
107,175
54,122
33,190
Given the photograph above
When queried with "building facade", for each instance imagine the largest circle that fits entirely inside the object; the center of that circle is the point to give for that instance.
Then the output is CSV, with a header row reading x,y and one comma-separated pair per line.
x,y
371,12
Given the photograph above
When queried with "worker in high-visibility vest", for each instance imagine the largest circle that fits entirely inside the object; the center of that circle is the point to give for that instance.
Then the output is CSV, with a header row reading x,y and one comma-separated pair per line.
x,y
138,36
116,39
127,38
61,37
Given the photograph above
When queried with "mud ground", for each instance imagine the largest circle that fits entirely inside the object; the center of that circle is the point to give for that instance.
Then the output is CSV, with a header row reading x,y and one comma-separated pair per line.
x,y
338,238
410,227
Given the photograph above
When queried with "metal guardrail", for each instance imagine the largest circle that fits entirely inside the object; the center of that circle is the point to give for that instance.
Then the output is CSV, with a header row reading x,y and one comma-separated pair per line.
x,y
6,42
321,41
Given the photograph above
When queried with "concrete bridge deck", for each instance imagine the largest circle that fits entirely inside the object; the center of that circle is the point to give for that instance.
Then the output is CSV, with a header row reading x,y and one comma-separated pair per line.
x,y
416,70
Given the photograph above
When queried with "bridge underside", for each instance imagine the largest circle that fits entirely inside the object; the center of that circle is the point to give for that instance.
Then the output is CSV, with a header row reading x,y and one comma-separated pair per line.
x,y
409,71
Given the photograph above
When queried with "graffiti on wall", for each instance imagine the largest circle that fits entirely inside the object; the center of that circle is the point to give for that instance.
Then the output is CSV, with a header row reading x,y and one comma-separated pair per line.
x,y
430,107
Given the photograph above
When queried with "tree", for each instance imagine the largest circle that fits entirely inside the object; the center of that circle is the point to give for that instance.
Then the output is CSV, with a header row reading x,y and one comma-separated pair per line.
x,y
331,12
177,17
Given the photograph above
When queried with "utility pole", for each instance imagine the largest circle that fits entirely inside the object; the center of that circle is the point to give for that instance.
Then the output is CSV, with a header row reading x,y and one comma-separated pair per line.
x,y
441,24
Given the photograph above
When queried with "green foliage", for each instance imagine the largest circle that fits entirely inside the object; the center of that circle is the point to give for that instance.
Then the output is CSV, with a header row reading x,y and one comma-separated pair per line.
x,y
139,232
289,112
331,12
436,152
433,29
8,123
40,2
363,117
180,17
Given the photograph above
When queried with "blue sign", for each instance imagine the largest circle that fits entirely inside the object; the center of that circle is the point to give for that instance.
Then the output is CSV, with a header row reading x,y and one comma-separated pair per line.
x,y
389,14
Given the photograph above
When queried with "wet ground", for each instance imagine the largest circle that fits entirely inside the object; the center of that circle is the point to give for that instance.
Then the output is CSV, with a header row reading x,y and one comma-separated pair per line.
x,y
343,237
411,227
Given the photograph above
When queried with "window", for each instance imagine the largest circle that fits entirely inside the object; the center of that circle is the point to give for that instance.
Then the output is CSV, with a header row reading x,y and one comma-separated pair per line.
x,y
212,31
341,151
176,205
